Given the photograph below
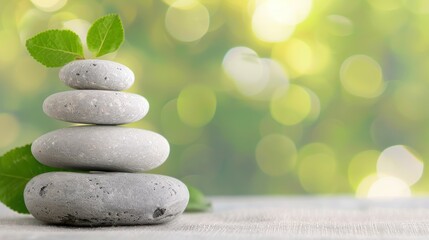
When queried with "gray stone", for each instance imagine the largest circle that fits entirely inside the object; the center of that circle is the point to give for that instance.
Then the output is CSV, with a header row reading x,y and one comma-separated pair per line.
x,y
97,74
102,199
102,148
96,107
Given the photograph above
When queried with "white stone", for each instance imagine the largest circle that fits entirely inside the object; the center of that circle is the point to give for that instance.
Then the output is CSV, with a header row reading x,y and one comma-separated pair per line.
x,y
96,107
97,74
102,199
102,148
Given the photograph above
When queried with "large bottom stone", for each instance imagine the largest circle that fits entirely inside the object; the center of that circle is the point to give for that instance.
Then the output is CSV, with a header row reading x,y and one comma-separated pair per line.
x,y
104,199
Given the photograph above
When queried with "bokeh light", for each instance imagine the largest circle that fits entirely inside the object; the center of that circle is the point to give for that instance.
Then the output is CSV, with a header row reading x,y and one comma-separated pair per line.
x,y
400,162
389,187
49,5
187,20
290,105
275,20
362,76
253,76
247,70
276,77
376,187
299,56
302,57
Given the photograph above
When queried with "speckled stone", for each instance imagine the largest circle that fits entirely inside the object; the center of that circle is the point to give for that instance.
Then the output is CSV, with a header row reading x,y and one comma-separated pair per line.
x,y
97,74
96,107
102,148
102,199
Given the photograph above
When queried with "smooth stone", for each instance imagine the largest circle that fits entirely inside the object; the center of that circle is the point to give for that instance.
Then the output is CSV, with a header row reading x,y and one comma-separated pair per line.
x,y
96,107
97,74
102,199
101,148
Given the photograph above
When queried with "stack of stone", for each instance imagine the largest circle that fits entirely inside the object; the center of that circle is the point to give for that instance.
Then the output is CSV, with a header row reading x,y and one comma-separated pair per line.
x,y
114,192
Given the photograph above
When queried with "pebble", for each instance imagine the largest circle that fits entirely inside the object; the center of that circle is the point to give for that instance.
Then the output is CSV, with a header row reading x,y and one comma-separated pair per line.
x,y
105,199
97,74
102,148
96,107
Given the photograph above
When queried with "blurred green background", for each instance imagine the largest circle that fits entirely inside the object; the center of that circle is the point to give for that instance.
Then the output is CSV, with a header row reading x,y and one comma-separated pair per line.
x,y
254,96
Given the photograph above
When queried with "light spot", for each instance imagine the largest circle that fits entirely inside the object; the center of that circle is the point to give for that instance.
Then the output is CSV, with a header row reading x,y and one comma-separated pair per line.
x,y
362,76
299,56
270,31
275,20
276,77
187,20
400,162
389,187
276,154
243,65
49,5
290,106
289,12
196,105
302,56
9,129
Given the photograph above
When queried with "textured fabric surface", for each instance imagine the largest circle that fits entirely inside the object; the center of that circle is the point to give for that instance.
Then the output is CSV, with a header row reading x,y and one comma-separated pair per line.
x,y
256,218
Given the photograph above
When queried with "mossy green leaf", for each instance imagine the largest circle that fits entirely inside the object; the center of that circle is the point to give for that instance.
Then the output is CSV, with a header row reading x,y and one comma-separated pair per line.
x,y
197,201
55,48
105,35
17,167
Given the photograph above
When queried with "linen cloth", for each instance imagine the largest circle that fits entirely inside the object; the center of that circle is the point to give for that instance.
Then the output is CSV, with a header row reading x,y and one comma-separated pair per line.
x,y
256,218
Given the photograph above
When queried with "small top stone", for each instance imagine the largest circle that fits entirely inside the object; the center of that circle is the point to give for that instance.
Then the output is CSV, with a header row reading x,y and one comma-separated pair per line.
x,y
97,75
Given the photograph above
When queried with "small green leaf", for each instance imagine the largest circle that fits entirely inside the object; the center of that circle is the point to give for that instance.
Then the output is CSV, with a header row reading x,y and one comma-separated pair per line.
x,y
17,167
197,201
55,48
105,35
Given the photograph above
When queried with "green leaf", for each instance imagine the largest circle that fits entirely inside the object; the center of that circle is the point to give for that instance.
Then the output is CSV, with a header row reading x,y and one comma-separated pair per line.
x,y
17,167
55,48
105,35
197,201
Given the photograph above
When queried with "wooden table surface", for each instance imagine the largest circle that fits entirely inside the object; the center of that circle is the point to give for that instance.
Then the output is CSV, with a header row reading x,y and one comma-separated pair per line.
x,y
256,218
